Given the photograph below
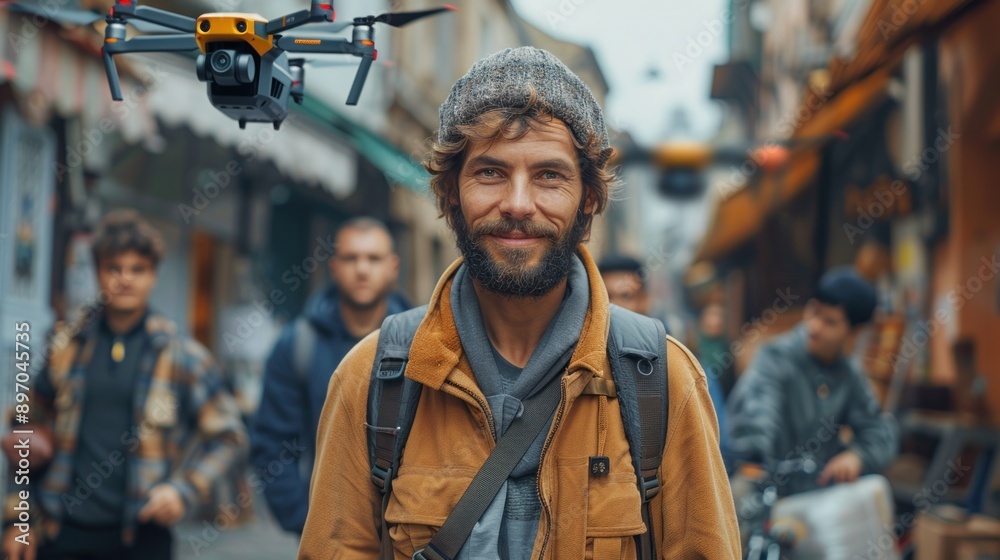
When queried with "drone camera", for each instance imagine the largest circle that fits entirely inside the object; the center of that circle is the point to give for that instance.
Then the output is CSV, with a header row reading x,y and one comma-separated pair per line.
x,y
227,67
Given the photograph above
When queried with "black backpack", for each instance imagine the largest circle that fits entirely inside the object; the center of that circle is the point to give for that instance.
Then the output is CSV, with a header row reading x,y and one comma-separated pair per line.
x,y
637,351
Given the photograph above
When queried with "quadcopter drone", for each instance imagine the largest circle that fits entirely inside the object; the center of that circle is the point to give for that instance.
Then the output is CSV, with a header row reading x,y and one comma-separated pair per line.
x,y
244,57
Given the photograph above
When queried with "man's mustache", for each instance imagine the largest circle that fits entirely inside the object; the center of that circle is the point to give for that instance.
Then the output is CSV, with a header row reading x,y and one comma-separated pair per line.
x,y
506,226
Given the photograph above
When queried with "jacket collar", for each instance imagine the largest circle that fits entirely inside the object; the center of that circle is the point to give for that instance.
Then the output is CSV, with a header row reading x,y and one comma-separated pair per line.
x,y
159,328
437,349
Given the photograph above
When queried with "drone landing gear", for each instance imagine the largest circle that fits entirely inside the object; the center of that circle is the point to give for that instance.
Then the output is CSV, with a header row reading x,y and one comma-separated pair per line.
x,y
276,125
243,124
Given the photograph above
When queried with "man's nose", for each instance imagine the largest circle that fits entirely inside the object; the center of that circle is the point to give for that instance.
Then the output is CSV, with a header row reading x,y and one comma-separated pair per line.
x,y
518,201
364,267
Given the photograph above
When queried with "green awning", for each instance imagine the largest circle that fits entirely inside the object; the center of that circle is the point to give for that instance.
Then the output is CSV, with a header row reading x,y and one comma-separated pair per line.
x,y
398,167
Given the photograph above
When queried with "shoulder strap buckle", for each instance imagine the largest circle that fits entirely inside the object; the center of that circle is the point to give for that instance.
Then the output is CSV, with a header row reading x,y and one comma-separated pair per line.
x,y
382,478
650,487
391,368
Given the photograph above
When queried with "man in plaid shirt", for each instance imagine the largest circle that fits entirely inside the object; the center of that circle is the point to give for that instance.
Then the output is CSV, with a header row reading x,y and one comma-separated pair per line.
x,y
144,431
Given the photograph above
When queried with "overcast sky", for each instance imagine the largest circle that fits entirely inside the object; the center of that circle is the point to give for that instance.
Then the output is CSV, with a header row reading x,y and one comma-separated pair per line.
x,y
678,39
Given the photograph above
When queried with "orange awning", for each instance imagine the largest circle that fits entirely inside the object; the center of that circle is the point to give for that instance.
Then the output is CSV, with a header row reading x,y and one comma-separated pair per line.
x,y
855,86
742,215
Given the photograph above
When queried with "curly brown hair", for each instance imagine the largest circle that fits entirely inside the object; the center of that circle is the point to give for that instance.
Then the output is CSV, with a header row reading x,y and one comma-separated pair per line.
x,y
447,156
124,230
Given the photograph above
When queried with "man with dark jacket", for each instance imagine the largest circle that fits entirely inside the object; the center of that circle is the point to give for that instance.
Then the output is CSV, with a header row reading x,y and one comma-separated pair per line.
x,y
801,388
364,269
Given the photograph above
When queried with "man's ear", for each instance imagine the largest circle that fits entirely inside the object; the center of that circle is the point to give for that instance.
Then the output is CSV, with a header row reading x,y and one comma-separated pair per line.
x,y
394,263
589,201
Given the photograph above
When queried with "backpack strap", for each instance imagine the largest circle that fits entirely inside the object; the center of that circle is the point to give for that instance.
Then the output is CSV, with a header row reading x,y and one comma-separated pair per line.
x,y
637,350
392,404
303,345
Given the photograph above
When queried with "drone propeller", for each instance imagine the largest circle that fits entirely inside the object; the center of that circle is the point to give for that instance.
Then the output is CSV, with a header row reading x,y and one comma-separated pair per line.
x,y
395,19
74,16
68,16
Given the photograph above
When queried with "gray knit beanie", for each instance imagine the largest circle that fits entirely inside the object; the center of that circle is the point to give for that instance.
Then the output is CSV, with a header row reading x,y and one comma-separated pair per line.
x,y
505,79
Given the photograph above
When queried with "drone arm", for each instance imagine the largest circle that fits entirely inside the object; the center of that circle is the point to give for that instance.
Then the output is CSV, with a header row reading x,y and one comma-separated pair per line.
x,y
319,46
359,79
321,10
112,72
152,43
157,16
284,23
140,44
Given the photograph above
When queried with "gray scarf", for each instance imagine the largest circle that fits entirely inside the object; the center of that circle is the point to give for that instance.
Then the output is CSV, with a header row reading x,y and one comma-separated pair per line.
x,y
508,528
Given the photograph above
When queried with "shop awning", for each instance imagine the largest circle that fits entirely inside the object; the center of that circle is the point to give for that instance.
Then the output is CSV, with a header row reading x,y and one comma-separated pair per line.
x,y
739,217
889,29
302,150
315,144
55,70
398,167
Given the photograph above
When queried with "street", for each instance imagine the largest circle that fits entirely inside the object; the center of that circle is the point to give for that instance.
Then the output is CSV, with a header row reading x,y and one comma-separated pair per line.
x,y
261,539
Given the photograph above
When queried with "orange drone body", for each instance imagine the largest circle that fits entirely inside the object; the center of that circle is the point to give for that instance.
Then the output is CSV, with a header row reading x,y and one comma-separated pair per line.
x,y
221,27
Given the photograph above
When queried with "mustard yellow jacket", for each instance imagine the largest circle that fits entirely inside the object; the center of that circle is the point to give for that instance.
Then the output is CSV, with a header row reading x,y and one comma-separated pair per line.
x,y
582,516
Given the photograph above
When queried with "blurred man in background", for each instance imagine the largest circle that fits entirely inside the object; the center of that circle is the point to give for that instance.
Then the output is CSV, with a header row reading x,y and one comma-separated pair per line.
x,y
801,388
364,270
712,346
624,278
129,398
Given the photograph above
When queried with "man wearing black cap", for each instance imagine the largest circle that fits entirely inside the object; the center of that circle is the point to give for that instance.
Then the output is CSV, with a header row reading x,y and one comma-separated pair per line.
x,y
801,388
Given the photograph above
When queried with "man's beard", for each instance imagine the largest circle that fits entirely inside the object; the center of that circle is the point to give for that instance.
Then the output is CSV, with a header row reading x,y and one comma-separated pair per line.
x,y
514,278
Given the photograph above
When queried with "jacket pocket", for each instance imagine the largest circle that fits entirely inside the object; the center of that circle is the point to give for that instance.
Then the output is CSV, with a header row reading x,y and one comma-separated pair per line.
x,y
569,512
422,498
614,517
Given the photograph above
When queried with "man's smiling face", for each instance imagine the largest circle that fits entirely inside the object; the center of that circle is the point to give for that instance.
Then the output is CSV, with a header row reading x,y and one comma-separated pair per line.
x,y
517,217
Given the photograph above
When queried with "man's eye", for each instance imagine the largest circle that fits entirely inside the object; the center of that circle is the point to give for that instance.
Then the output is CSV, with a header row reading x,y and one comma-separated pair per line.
x,y
551,175
489,173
